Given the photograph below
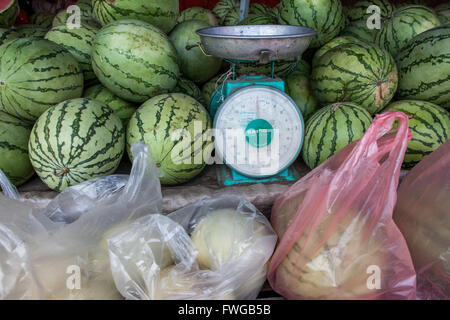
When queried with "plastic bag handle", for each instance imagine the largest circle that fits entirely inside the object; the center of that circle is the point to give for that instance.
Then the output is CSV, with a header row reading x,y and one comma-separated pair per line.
x,y
9,190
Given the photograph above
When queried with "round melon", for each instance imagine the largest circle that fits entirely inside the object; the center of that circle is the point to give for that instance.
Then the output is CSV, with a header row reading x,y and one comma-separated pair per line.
x,y
14,160
190,88
332,44
9,10
303,67
198,13
78,41
430,128
260,9
358,10
86,14
194,64
332,128
223,7
123,109
209,88
403,25
298,87
443,12
44,20
424,67
358,72
232,17
157,123
160,13
282,68
359,30
35,75
7,35
135,60
77,140
259,20
325,16
31,30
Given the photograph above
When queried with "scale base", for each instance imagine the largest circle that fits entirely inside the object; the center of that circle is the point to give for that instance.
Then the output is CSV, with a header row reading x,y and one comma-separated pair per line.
x,y
228,177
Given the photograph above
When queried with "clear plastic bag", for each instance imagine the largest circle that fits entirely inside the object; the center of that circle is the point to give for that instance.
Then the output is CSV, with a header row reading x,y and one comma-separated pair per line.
x,y
62,249
422,213
213,249
338,239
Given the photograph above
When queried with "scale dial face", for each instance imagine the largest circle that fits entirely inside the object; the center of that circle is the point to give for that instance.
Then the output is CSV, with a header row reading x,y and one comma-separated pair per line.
x,y
259,131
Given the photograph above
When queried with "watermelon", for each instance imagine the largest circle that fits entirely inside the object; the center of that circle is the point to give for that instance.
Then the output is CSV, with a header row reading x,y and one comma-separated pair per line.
x,y
160,13
76,140
303,67
189,88
358,11
135,60
298,87
9,10
232,17
31,30
332,44
223,7
259,20
443,12
78,41
123,109
405,24
7,35
260,9
156,123
44,20
198,13
14,136
194,64
358,29
86,14
325,16
332,128
282,68
35,75
424,67
430,128
358,72
209,88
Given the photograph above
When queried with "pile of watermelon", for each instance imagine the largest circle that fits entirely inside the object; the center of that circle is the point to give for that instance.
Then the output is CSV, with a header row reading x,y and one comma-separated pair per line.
x,y
75,93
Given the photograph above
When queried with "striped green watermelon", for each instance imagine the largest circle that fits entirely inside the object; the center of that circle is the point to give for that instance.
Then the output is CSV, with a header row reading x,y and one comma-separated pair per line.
x,y
325,16
7,35
194,64
31,30
76,140
9,10
42,19
358,72
430,128
332,44
259,20
78,41
358,29
14,160
223,7
209,89
160,13
86,14
35,75
404,24
232,17
303,67
443,12
156,122
282,68
198,13
260,9
189,88
424,67
298,87
332,128
358,11
135,60
123,109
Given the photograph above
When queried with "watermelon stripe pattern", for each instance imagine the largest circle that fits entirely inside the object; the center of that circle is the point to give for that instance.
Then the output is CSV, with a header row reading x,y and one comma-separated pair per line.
x,y
324,16
223,7
424,67
356,72
405,24
430,128
35,75
332,128
358,10
135,60
75,141
7,35
14,160
189,88
8,13
154,123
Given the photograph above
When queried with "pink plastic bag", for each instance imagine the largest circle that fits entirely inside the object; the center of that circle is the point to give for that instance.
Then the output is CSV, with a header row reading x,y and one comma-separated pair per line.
x,y
338,239
423,215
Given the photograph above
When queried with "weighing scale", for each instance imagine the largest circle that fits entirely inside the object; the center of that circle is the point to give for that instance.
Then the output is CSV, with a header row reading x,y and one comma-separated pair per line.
x,y
258,128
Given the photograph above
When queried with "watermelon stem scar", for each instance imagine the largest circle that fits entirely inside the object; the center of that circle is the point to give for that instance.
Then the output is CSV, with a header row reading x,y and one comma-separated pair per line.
x,y
64,171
